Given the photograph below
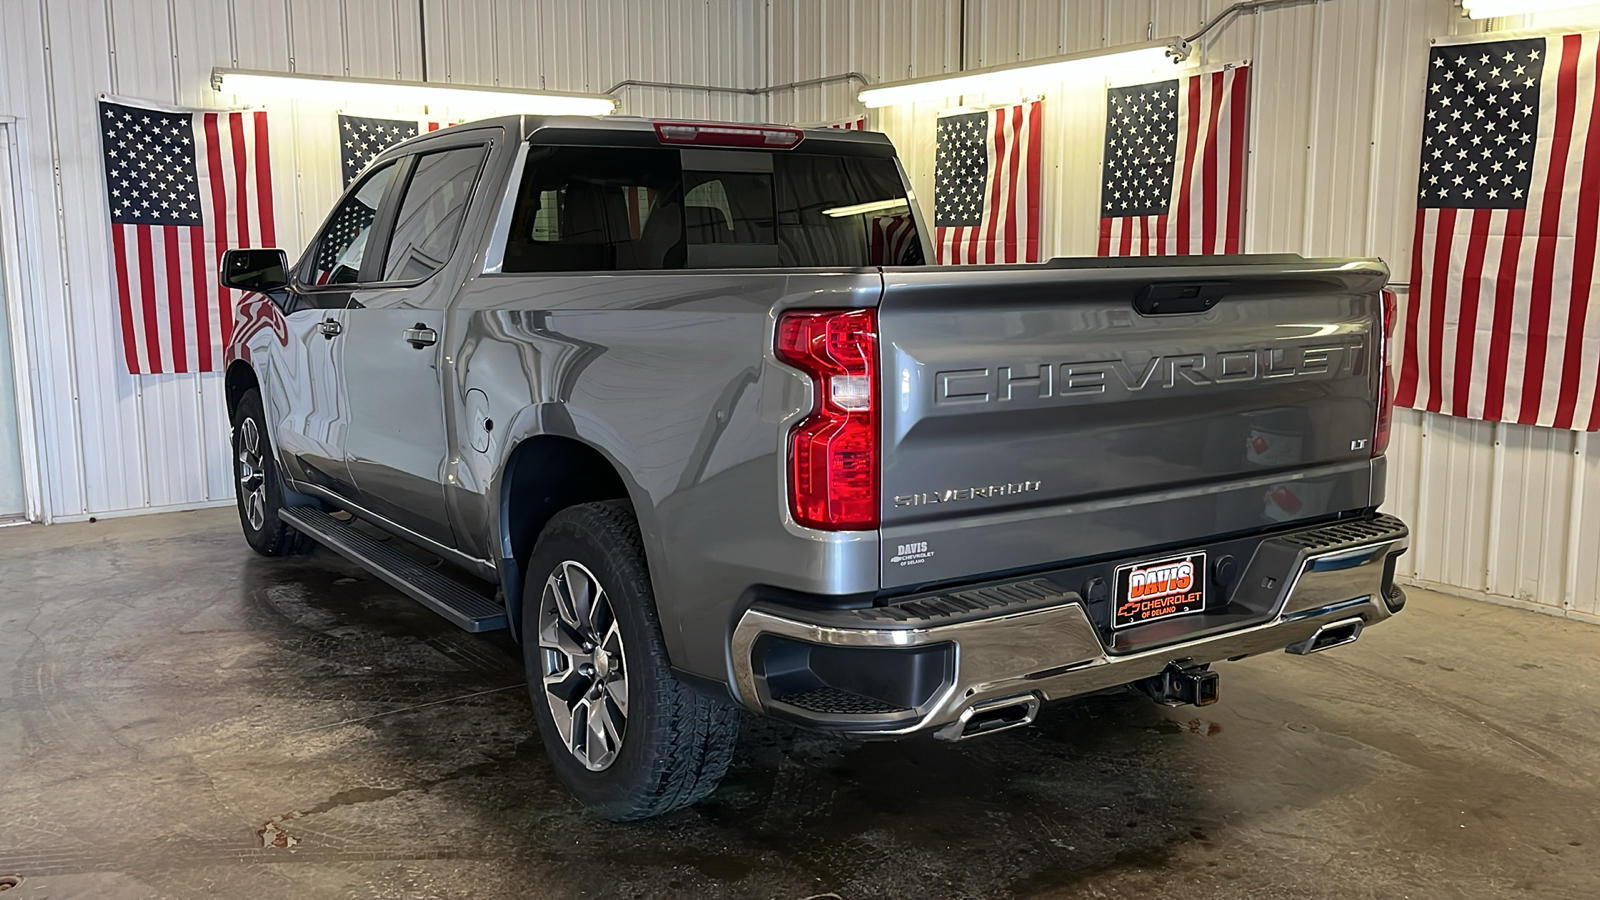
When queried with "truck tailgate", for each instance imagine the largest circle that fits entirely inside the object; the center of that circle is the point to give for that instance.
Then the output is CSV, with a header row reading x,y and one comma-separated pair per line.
x,y
1038,414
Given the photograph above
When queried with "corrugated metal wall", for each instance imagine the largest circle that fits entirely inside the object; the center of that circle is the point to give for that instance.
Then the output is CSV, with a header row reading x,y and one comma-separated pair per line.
x,y
1503,512
115,443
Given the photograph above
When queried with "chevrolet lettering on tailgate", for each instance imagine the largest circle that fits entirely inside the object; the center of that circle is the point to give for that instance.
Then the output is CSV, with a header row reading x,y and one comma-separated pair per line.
x,y
1066,380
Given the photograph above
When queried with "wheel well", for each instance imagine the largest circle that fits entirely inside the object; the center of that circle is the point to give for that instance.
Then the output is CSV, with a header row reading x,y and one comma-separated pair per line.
x,y
544,475
238,382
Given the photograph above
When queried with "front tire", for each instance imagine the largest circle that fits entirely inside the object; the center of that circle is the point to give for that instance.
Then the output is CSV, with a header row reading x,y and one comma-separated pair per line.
x,y
623,734
259,484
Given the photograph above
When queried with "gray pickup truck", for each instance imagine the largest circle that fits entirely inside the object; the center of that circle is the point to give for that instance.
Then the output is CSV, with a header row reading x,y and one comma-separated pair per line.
x,y
681,405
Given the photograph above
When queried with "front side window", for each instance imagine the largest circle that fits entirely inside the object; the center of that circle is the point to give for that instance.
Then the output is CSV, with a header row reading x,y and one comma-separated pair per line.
x,y
340,248
610,209
430,218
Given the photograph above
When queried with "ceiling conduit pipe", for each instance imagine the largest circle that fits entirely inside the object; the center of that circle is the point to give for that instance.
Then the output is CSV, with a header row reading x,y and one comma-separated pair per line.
x,y
678,86
1244,6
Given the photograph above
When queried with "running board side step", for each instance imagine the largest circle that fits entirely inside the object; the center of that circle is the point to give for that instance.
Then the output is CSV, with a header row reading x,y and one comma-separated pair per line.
x,y
464,607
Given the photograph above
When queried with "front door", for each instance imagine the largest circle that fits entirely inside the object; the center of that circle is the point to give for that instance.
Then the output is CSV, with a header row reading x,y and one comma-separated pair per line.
x,y
307,405
312,411
395,351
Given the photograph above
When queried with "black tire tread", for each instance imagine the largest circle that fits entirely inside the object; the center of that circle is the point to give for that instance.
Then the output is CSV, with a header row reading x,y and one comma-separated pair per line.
x,y
276,538
694,735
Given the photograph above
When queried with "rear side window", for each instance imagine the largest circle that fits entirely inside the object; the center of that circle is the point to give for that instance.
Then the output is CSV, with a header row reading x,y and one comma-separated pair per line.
x,y
610,209
837,210
429,222
596,209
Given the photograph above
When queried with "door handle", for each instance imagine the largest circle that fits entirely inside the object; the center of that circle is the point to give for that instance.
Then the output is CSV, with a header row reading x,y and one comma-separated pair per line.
x,y
330,328
421,336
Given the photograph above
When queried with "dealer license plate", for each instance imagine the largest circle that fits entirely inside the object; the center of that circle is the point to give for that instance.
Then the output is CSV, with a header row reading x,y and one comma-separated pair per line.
x,y
1152,590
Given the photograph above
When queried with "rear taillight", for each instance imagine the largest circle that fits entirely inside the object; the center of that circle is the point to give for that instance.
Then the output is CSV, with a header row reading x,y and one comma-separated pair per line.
x,y
833,451
1380,432
768,136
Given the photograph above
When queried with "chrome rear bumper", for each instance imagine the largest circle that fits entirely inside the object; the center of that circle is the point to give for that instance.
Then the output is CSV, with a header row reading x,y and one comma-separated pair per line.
x,y
1031,637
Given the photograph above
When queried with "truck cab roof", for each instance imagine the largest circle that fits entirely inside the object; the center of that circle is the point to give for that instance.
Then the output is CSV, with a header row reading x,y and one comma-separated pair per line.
x,y
636,131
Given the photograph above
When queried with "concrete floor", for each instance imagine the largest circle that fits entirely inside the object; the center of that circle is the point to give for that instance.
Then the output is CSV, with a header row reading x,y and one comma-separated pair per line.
x,y
181,718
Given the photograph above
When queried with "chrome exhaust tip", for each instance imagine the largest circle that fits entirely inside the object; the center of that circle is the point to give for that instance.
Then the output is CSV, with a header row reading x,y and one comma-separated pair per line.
x,y
1334,634
991,716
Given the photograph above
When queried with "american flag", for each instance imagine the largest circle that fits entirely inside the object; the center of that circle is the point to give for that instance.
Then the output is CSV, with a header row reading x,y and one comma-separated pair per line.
x,y
1173,175
986,177
1498,324
362,137
182,186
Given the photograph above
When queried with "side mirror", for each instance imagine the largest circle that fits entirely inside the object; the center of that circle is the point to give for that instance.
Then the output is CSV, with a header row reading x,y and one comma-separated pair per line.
x,y
255,269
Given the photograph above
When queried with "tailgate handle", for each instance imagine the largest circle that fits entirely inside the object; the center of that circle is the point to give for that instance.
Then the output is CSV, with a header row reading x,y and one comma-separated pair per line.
x,y
1174,298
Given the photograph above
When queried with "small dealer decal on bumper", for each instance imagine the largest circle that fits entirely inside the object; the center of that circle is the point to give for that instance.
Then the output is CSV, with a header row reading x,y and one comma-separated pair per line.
x,y
912,554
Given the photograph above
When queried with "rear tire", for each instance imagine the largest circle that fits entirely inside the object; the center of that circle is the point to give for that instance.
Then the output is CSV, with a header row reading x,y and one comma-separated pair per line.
x,y
624,735
259,484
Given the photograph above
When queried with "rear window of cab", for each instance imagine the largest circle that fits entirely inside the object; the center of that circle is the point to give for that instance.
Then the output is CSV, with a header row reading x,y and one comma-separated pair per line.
x,y
601,209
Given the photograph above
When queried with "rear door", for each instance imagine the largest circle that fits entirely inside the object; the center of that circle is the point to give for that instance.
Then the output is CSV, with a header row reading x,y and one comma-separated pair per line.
x,y
1036,415
397,446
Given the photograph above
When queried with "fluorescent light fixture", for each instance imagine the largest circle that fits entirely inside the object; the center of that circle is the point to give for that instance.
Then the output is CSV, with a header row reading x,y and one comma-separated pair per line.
x,y
1489,9
1111,62
875,206
376,91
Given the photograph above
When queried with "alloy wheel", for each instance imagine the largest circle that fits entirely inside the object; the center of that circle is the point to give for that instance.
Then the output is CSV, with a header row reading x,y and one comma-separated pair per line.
x,y
252,479
582,667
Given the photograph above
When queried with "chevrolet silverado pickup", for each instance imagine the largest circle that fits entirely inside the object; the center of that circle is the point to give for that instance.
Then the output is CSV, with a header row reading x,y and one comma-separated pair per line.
x,y
682,406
